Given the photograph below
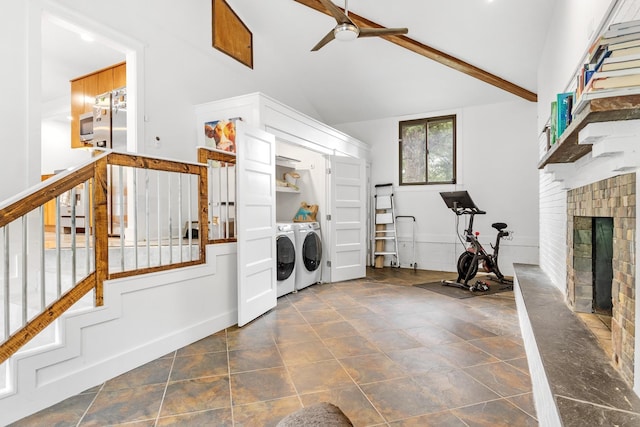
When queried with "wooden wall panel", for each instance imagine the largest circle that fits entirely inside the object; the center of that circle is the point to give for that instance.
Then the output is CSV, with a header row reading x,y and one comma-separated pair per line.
x,y
230,34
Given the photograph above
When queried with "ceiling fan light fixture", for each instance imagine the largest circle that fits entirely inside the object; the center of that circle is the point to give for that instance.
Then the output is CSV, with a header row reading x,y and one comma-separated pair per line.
x,y
346,32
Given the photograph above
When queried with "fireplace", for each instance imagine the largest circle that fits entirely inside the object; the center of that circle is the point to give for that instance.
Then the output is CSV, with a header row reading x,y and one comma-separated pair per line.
x,y
593,264
601,259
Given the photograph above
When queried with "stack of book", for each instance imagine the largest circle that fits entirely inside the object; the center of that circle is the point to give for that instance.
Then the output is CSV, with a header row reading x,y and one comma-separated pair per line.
x,y
613,66
561,116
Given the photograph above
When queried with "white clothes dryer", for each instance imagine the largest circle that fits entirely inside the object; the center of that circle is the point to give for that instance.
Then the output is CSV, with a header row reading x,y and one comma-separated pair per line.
x,y
308,261
285,258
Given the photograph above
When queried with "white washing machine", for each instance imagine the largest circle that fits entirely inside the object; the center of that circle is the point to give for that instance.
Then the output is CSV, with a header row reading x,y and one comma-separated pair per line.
x,y
285,258
309,247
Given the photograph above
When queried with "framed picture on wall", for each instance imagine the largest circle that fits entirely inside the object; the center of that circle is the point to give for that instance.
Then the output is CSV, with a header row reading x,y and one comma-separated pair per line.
x,y
221,134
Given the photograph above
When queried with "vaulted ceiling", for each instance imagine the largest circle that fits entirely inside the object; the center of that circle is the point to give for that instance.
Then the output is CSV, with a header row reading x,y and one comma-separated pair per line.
x,y
371,78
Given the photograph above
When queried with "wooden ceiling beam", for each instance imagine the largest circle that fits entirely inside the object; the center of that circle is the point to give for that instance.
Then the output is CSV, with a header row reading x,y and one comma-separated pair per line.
x,y
435,55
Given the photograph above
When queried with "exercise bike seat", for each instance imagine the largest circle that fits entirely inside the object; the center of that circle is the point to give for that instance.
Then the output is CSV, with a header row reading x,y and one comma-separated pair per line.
x,y
499,226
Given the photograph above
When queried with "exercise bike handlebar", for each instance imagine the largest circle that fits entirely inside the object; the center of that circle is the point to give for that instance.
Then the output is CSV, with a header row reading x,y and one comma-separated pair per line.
x,y
468,211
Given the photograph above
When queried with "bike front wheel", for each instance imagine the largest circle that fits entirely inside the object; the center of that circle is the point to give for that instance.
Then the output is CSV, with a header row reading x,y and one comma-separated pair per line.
x,y
466,266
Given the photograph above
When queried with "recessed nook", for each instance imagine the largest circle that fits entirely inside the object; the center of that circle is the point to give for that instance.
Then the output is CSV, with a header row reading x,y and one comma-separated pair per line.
x,y
601,261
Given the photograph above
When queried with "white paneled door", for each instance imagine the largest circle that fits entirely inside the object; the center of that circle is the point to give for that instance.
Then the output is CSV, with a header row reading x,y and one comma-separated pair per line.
x,y
256,227
348,218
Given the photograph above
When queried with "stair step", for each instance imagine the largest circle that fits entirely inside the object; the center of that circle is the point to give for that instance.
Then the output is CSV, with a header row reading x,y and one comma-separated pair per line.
x,y
385,238
386,253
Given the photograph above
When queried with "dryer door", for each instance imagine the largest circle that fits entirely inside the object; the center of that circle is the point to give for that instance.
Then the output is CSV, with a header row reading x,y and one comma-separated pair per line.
x,y
312,251
286,257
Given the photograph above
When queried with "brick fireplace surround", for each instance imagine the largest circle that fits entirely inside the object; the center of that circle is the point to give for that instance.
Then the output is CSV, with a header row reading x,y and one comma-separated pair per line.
x,y
614,197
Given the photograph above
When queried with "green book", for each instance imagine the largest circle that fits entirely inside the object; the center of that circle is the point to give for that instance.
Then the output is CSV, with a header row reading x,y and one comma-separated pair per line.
x,y
554,122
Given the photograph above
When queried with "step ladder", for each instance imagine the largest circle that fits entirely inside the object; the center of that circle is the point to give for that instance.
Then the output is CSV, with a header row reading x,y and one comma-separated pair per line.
x,y
385,237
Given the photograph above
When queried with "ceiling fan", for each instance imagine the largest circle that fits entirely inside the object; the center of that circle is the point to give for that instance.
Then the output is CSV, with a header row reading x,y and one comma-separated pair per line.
x,y
346,29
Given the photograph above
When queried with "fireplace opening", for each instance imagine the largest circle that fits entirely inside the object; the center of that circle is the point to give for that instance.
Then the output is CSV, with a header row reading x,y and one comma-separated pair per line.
x,y
602,259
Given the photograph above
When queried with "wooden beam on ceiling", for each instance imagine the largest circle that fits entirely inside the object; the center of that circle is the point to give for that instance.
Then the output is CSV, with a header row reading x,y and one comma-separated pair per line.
x,y
435,54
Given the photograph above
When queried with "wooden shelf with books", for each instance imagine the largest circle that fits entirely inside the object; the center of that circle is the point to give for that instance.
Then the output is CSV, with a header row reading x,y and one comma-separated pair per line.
x,y
612,108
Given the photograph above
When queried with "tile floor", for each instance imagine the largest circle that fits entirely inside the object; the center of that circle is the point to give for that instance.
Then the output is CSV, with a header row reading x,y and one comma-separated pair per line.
x,y
387,353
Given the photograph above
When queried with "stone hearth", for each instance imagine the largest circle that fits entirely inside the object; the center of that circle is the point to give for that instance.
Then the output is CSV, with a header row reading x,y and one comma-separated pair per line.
x,y
615,198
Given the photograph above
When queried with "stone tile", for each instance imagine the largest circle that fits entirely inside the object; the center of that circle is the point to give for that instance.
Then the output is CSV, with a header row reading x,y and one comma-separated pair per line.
x,y
463,354
454,388
212,343
465,330
400,398
504,348
304,353
308,301
249,337
394,317
339,302
154,372
293,333
502,378
438,419
334,329
432,335
321,316
283,317
265,414
196,395
406,320
525,402
371,323
256,386
125,405
573,414
521,363
199,365
419,360
252,359
392,340
66,413
215,417
319,376
371,368
350,346
495,413
351,401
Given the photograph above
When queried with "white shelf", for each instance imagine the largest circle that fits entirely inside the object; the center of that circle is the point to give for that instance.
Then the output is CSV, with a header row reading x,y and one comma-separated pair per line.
x,y
286,190
286,161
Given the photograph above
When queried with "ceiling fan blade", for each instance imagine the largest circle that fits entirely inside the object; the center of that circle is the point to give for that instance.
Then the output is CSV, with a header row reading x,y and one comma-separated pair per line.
x,y
326,39
337,13
376,32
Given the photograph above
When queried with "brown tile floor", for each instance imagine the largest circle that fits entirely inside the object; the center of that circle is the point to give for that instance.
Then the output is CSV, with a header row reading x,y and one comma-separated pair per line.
x,y
385,352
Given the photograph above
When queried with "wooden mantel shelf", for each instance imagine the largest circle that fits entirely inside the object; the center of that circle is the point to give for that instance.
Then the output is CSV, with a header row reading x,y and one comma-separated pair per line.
x,y
567,149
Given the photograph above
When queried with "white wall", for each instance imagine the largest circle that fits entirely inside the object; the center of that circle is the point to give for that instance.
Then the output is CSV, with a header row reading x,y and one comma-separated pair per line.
x,y
13,86
496,161
576,23
56,151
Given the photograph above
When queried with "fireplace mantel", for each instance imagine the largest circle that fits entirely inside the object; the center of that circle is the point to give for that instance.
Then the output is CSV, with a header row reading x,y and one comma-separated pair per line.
x,y
568,149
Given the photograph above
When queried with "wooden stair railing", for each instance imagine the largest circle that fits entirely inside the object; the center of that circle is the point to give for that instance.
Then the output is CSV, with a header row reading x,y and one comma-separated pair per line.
x,y
97,171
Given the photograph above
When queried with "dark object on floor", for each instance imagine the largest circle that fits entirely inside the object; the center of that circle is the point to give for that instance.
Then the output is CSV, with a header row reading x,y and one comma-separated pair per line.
x,y
319,415
455,292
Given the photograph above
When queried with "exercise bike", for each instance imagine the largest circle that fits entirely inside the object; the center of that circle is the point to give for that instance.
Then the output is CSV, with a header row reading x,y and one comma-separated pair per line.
x,y
461,204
